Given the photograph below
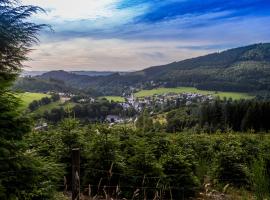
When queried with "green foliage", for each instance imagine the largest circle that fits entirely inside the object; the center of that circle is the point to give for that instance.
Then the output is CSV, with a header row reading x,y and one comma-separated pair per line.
x,y
144,122
17,35
87,112
178,120
34,105
33,84
178,163
231,164
238,115
179,167
260,179
23,174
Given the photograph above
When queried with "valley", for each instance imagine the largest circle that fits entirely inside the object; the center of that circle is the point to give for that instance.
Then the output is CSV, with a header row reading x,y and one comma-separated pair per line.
x,y
134,100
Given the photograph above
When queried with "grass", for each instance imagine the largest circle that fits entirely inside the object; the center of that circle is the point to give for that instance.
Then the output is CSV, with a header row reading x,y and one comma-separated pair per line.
x,y
178,90
49,107
115,98
28,97
161,118
260,179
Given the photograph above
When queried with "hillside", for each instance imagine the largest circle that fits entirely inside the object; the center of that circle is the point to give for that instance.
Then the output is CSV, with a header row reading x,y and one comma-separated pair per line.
x,y
37,84
244,69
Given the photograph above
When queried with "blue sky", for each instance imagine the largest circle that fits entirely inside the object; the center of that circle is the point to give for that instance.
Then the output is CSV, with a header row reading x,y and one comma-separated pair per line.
x,y
130,35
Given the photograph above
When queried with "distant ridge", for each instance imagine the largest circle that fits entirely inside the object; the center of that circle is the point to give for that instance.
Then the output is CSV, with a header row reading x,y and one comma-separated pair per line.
x,y
81,72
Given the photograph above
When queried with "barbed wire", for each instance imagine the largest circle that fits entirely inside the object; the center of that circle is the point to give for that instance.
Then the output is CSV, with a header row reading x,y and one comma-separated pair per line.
x,y
125,175
134,176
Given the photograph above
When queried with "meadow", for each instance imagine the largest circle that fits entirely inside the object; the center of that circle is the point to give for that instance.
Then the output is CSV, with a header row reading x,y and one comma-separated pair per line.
x,y
54,105
115,98
179,90
28,97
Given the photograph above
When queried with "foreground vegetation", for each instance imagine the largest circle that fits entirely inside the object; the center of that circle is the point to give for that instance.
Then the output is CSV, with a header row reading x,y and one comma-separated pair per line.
x,y
179,90
175,166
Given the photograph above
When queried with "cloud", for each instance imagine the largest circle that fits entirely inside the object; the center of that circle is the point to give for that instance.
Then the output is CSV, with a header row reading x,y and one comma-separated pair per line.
x,y
107,54
170,9
134,34
66,15
72,10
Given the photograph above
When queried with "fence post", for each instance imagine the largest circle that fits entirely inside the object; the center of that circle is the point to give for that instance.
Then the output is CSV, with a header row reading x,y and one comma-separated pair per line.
x,y
76,174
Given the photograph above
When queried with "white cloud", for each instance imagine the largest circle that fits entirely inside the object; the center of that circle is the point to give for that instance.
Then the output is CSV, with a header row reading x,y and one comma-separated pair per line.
x,y
96,13
128,46
75,9
108,54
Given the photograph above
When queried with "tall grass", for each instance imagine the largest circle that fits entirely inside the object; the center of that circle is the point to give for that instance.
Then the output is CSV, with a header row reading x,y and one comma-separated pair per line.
x,y
202,170
260,179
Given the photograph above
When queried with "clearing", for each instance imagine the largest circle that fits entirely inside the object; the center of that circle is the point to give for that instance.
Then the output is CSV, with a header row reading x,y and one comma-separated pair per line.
x,y
115,98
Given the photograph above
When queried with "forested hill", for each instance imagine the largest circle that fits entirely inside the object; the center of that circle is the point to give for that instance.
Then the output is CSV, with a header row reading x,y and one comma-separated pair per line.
x,y
244,69
240,69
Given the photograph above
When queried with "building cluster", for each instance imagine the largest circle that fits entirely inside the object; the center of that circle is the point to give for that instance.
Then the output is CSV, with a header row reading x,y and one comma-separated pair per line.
x,y
155,102
164,100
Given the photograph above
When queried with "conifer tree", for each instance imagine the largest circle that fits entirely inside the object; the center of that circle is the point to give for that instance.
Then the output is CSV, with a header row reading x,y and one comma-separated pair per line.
x,y
21,175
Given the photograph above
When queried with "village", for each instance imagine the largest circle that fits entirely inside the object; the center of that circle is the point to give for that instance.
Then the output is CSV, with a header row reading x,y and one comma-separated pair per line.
x,y
156,103
140,103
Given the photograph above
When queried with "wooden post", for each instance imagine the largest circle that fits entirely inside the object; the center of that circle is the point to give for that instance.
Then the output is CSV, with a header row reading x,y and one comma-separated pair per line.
x,y
76,174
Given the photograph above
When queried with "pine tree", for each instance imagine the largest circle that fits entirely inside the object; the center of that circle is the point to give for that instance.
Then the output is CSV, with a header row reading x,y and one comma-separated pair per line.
x,y
21,175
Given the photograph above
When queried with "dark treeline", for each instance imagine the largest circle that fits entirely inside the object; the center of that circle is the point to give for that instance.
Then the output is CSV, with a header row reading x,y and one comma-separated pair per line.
x,y
237,115
228,86
241,115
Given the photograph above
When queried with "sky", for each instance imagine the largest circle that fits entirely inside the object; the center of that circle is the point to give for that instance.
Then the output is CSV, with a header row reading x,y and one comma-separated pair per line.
x,y
129,35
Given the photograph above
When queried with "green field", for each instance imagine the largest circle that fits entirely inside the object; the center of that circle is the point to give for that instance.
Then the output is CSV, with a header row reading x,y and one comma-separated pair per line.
x,y
178,90
115,98
28,97
57,104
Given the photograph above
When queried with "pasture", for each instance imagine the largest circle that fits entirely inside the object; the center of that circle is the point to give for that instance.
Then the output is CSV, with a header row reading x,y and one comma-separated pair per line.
x,y
58,104
179,90
28,97
115,98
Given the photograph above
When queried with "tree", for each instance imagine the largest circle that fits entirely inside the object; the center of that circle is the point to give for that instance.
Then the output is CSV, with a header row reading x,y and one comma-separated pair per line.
x,y
22,175
55,97
33,105
16,37
45,101
144,122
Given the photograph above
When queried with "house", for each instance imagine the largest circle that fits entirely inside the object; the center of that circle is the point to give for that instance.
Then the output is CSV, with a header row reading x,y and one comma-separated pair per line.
x,y
64,99
42,127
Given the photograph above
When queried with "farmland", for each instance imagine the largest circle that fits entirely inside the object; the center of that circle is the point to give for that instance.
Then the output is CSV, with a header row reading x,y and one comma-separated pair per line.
x,y
178,90
114,98
28,97
57,104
